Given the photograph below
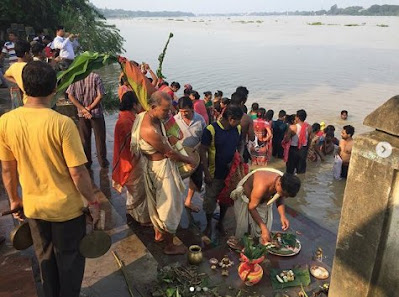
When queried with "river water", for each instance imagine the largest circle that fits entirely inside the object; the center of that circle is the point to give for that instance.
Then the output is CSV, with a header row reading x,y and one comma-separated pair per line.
x,y
286,64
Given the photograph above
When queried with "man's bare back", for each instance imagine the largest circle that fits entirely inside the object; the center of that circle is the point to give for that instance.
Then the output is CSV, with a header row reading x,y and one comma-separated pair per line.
x,y
259,188
264,182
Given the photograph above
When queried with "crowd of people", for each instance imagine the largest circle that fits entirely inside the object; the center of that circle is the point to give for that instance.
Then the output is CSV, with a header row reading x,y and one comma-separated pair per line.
x,y
225,134
59,52
44,153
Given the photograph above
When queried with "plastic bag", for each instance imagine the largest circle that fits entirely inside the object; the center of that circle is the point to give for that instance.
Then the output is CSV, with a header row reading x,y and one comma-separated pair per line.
x,y
337,167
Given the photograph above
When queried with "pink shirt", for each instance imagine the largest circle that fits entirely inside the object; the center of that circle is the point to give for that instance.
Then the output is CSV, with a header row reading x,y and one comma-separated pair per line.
x,y
199,107
168,90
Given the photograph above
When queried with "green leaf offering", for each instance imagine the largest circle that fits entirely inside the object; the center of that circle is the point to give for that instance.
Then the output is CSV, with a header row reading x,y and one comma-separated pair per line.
x,y
288,239
252,251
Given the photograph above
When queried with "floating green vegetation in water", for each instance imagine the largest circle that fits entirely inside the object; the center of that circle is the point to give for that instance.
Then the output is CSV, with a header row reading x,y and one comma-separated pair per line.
x,y
244,22
354,25
382,25
316,24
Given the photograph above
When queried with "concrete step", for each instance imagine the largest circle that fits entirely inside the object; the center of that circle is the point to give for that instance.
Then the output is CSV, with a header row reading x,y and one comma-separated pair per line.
x,y
102,277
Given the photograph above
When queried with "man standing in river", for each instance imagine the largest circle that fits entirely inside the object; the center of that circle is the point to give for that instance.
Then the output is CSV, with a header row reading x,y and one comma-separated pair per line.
x,y
299,134
345,148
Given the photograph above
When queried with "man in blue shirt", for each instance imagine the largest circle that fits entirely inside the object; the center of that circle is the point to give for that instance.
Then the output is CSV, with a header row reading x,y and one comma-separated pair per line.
x,y
219,143
279,129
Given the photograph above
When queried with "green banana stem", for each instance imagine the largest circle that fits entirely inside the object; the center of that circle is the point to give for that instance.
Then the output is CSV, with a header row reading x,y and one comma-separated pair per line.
x,y
161,58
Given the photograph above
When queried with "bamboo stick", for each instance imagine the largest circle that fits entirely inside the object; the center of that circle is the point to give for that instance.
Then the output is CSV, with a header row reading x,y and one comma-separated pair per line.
x,y
122,268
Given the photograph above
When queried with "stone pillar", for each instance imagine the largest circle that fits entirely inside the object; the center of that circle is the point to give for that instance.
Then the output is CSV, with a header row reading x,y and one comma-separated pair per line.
x,y
366,262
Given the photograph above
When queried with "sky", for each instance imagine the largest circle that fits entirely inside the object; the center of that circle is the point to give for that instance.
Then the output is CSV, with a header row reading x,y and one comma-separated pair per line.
x,y
228,6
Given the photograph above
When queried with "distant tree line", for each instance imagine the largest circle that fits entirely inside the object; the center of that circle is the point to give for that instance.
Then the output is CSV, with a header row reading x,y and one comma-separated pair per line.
x,y
121,13
78,16
375,10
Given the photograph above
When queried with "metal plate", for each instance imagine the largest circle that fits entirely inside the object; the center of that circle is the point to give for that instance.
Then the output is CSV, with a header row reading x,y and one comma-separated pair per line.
x,y
21,237
319,272
186,170
95,244
286,252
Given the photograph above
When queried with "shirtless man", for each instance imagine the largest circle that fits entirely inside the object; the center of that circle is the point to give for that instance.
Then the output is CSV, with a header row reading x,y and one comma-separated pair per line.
x,y
254,197
163,183
299,133
345,148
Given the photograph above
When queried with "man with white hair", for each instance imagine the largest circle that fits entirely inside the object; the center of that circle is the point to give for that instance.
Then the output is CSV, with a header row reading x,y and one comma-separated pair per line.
x,y
163,183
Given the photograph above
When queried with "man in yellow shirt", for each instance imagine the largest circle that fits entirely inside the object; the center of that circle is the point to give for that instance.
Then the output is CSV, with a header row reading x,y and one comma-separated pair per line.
x,y
14,73
42,148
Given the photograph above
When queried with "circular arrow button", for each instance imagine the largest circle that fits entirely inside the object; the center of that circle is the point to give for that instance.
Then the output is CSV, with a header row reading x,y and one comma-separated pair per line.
x,y
383,149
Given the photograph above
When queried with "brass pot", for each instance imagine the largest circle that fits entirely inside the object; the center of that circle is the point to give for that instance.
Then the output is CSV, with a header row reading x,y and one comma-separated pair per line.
x,y
194,255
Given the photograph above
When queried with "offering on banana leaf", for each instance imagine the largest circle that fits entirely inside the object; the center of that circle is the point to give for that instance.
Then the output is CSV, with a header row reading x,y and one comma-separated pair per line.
x,y
286,278
284,244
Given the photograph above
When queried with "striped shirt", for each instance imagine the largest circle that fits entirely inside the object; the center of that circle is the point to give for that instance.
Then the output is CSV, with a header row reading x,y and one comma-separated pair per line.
x,y
9,49
85,91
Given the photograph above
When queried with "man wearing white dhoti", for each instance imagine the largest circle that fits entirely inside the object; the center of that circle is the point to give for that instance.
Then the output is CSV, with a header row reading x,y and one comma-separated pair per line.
x,y
254,197
162,181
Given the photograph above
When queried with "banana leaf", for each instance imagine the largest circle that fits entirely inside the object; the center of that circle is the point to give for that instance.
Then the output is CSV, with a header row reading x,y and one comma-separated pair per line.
x,y
302,276
81,67
252,251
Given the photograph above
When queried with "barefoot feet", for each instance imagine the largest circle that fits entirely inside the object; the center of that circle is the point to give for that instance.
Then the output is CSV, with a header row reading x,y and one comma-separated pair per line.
x,y
159,237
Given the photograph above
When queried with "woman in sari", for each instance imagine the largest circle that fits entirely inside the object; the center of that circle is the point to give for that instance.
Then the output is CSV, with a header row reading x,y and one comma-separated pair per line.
x,y
127,172
262,149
